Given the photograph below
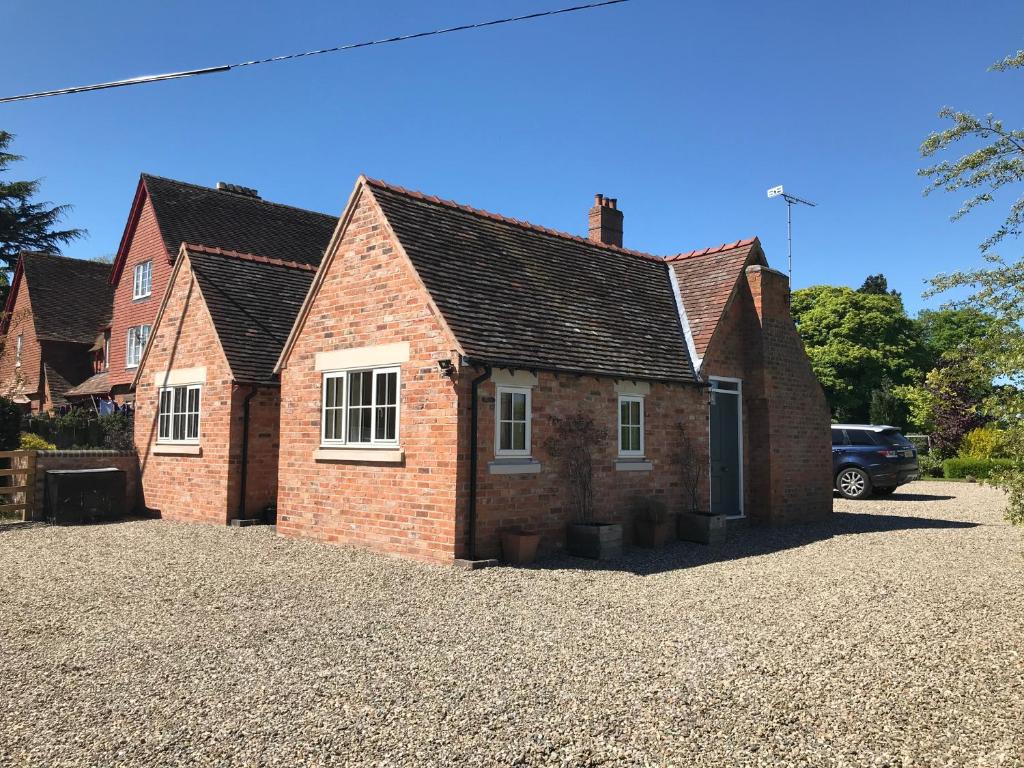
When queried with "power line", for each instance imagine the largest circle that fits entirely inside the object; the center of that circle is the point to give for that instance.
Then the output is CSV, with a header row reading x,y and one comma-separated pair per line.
x,y
286,57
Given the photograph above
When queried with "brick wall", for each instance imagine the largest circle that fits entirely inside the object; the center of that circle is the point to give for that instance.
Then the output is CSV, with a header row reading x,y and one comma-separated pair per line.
x,y
264,446
786,439
187,487
372,296
735,352
25,379
47,460
540,501
798,418
146,244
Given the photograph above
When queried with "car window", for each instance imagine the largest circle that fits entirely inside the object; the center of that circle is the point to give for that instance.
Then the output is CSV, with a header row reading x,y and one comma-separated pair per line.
x,y
860,437
838,437
895,437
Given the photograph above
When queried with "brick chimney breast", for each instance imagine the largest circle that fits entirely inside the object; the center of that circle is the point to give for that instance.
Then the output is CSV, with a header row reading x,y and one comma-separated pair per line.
x,y
605,222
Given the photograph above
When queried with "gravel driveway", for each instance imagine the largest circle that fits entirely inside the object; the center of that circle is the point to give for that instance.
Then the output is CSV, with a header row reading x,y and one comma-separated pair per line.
x,y
889,637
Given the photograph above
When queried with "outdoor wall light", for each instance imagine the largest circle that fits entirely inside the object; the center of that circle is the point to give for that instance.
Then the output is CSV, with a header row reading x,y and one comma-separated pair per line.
x,y
447,369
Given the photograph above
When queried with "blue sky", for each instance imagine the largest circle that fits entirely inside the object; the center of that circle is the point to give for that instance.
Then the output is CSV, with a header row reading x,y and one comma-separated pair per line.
x,y
686,112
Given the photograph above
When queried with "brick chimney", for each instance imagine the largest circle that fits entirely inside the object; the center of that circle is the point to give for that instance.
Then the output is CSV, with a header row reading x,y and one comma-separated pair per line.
x,y
605,221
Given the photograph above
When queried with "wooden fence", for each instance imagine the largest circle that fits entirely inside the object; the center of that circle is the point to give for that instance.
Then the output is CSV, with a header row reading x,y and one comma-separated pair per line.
x,y
19,494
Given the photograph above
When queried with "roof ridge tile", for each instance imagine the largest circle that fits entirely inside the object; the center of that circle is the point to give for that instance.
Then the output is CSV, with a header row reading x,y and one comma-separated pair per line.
x,y
509,220
214,251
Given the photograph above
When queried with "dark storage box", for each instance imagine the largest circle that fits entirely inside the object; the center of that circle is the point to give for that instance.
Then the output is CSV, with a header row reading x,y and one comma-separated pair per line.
x,y
85,495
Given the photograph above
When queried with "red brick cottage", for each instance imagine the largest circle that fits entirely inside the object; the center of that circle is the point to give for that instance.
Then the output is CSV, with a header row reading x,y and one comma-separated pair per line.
x,y
166,213
438,341
207,401
54,309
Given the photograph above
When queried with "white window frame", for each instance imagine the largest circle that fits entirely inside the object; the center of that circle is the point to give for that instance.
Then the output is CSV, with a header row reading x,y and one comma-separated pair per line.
x,y
168,438
142,280
133,334
17,353
510,452
643,425
374,441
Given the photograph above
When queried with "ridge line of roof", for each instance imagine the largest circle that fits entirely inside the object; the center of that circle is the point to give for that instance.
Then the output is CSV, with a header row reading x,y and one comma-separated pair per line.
x,y
509,220
241,197
713,249
214,251
88,262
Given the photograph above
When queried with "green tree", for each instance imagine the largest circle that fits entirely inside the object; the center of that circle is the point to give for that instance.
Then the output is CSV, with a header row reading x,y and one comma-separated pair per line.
x,y
856,340
952,332
27,224
876,284
993,161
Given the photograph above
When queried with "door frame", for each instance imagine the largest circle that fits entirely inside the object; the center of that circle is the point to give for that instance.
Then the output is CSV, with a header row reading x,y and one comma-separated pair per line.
x,y
738,393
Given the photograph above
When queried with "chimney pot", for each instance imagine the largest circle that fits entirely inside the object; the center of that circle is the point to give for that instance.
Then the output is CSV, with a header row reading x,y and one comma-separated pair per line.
x,y
605,221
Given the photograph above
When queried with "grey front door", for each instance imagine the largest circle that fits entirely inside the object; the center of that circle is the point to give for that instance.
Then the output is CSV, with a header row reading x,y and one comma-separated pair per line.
x,y
725,450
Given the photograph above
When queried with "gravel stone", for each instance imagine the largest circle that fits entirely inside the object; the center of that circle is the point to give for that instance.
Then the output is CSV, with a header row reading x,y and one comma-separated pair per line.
x,y
889,636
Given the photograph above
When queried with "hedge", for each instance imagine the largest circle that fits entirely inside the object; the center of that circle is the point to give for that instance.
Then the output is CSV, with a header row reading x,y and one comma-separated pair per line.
x,y
959,468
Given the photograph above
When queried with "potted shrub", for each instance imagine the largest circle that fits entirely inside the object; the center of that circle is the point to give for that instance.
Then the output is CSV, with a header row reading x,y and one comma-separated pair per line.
x,y
519,546
572,445
651,521
694,523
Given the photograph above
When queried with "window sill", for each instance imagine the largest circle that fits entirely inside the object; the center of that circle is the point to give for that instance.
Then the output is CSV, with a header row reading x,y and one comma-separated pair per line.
x,y
362,455
177,449
633,465
525,466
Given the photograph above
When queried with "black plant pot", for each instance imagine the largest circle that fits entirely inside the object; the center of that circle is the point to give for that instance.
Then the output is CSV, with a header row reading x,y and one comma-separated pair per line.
x,y
599,541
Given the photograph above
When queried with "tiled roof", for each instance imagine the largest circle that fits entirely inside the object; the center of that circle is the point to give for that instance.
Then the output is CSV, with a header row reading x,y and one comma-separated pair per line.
x,y
97,384
58,385
253,302
71,298
520,295
188,213
706,280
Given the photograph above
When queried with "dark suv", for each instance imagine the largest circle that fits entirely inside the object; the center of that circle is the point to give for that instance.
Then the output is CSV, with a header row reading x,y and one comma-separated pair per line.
x,y
869,458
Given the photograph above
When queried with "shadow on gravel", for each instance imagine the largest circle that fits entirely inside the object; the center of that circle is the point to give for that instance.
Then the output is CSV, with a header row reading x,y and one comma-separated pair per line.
x,y
749,542
24,525
917,497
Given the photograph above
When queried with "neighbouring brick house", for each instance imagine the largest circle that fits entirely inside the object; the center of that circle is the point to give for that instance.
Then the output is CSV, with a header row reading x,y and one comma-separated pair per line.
x,y
164,214
54,308
206,398
437,343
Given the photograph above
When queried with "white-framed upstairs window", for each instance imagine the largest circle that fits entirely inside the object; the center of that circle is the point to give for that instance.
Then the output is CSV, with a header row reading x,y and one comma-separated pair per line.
x,y
138,336
361,408
142,284
17,351
178,415
631,425
512,421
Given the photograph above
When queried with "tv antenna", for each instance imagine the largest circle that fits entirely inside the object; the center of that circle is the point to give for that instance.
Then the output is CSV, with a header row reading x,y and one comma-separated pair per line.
x,y
791,200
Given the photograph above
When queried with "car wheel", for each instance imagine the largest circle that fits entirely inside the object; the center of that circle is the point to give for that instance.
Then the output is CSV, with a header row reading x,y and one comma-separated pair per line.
x,y
887,491
853,483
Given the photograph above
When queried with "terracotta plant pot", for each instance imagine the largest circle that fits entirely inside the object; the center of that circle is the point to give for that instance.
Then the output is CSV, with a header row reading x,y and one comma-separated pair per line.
x,y
653,534
600,541
702,527
519,547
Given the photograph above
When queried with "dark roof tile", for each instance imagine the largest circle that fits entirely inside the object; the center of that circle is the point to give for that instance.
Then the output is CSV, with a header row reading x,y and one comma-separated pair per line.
x,y
524,296
188,213
71,298
253,302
